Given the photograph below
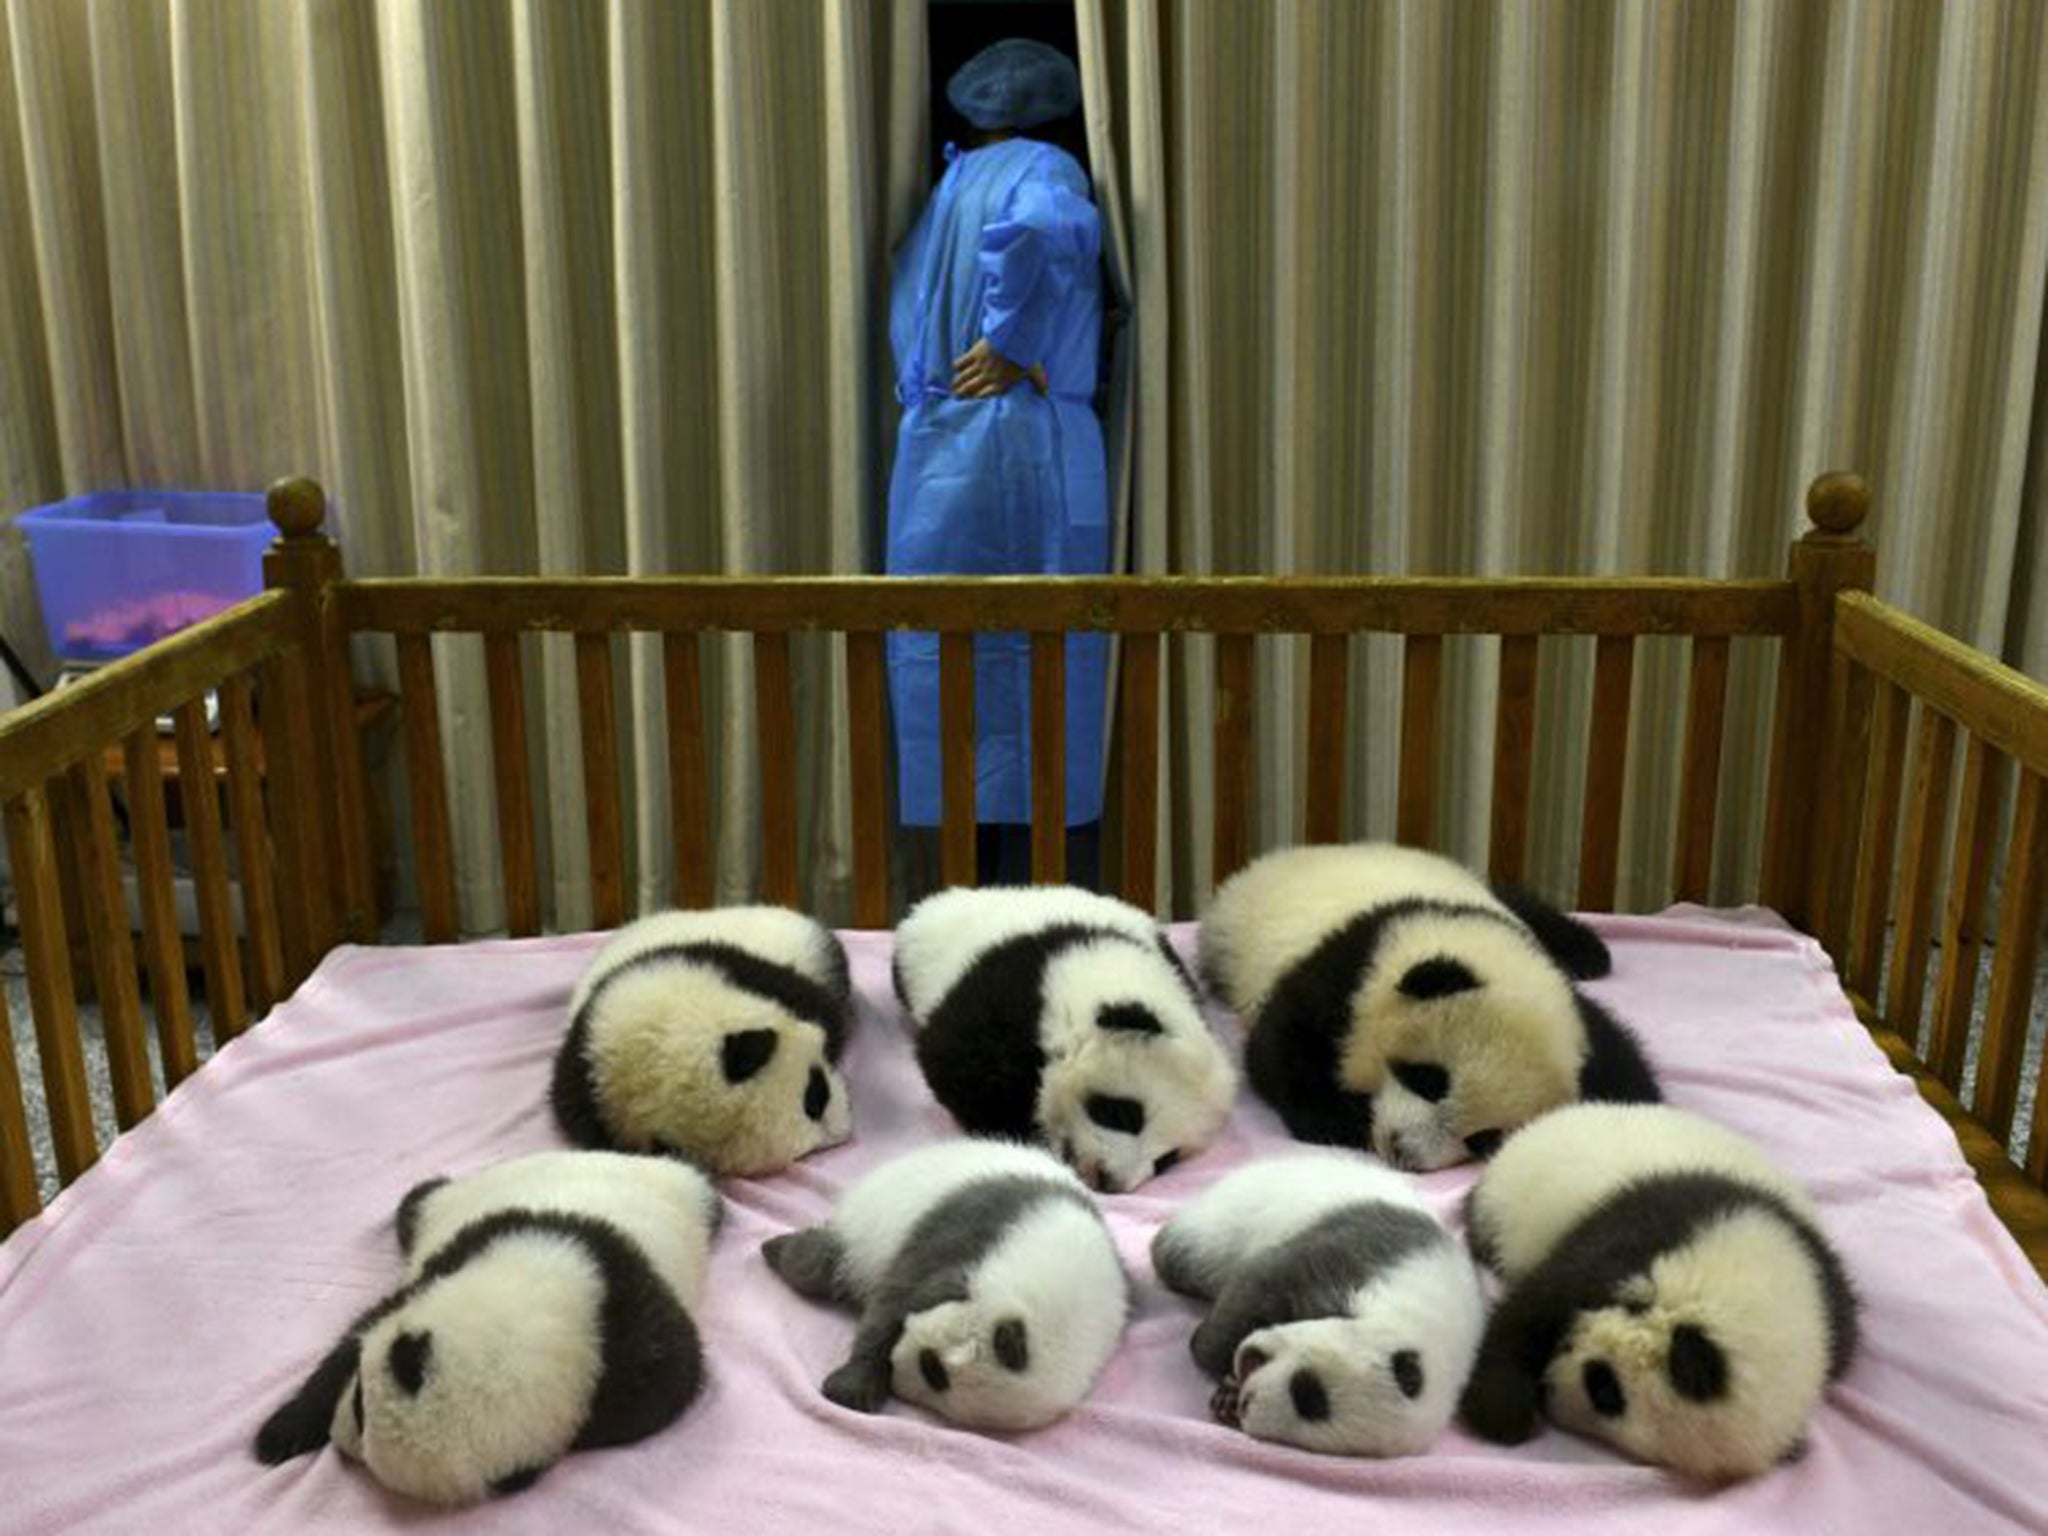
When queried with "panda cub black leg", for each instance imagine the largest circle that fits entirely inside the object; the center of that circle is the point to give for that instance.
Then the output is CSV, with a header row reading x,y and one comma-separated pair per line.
x,y
809,1263
862,1383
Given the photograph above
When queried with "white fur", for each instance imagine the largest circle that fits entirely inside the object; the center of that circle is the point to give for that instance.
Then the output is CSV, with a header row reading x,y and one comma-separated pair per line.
x,y
1183,1077
1429,1303
516,1333
1513,1047
1524,1204
1746,1280
656,1036
1056,1269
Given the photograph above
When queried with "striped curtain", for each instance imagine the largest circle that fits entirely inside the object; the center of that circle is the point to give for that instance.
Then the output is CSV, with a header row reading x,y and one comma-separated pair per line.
x,y
1578,287
531,287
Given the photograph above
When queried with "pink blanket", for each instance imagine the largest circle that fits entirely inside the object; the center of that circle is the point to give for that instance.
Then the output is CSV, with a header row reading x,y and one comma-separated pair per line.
x,y
171,1297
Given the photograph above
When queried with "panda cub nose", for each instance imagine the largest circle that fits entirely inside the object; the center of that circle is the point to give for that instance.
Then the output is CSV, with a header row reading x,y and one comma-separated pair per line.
x,y
1311,1398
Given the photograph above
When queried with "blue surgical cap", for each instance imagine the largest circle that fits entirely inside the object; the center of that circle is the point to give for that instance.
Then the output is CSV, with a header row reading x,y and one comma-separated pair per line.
x,y
1015,84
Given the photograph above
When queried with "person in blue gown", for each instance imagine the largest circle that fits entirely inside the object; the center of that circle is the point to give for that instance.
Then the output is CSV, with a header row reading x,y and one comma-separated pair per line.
x,y
995,321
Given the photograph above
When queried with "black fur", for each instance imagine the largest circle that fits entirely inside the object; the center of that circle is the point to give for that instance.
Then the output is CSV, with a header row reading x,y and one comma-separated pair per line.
x,y
1615,1070
1312,1274
745,1052
1615,1242
1013,1344
817,1094
1440,977
409,1359
1578,949
573,1092
1408,1372
1132,1018
979,1047
409,1212
935,1265
652,1360
1311,1397
1425,1079
1115,1113
1696,1365
515,1482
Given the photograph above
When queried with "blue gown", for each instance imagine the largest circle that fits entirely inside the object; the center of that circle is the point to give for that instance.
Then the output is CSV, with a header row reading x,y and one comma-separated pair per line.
x,y
1008,248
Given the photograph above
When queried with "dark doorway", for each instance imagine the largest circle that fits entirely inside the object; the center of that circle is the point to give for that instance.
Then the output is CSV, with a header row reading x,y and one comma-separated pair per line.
x,y
959,29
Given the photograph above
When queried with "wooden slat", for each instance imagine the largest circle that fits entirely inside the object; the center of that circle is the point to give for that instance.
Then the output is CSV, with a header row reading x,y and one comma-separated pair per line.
x,y
19,1199
1329,698
1334,605
1048,758
254,865
32,862
1235,794
1614,666
306,920
1422,661
47,735
1962,922
2007,1012
868,718
2001,704
956,758
601,811
219,953
433,841
1514,748
775,725
689,772
1877,838
1139,706
1699,782
1831,874
1912,907
163,947
512,777
113,953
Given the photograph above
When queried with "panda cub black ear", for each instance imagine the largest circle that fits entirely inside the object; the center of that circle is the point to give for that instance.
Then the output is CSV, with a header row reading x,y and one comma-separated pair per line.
x,y
1698,1368
1129,1018
1440,977
745,1052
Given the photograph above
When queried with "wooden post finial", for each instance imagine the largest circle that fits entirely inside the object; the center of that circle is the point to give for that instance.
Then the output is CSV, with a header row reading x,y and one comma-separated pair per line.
x,y
1837,504
297,506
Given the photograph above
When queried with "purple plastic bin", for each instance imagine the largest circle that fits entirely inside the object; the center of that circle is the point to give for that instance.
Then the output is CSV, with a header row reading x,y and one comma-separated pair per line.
x,y
119,569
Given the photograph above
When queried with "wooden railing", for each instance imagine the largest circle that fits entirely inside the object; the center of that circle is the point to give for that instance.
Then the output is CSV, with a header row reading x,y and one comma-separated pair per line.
x,y
298,825
1904,696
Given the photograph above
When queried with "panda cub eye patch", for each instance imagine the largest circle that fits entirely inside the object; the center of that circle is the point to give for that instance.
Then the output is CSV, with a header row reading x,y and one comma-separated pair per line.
x,y
358,1404
1115,1114
1165,1162
1603,1389
1483,1144
817,1094
1425,1079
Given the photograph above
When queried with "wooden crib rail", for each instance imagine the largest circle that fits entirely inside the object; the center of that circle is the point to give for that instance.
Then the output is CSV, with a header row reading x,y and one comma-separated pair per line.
x,y
1889,667
66,761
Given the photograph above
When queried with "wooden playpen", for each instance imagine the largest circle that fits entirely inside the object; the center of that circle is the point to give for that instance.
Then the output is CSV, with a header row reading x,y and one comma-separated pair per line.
x,y
1871,706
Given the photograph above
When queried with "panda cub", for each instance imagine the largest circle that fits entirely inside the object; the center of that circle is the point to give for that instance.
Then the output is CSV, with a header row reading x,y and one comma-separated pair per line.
x,y
988,1287
1399,1004
1342,1316
1057,1015
710,1034
546,1309
1669,1292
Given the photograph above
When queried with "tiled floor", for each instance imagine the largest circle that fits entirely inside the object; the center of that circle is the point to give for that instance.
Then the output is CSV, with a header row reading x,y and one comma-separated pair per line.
x,y
12,975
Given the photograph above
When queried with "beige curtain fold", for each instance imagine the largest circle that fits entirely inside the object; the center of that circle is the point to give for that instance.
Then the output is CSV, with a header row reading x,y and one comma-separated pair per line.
x,y
1573,287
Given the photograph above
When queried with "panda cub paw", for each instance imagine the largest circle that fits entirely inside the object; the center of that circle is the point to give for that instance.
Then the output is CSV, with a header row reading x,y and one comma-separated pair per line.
x,y
1226,1403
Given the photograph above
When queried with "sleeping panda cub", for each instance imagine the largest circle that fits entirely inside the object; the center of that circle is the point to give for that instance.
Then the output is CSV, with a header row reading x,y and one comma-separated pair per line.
x,y
1669,1292
546,1309
1342,1316
710,1034
988,1287
1399,1004
1052,1014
